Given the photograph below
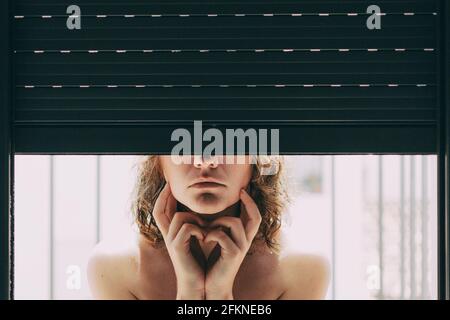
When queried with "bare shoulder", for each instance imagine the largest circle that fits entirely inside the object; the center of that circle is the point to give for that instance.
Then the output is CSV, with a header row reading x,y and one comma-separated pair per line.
x,y
108,270
304,276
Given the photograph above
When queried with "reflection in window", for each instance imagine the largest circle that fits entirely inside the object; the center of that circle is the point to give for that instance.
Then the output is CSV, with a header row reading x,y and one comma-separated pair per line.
x,y
373,217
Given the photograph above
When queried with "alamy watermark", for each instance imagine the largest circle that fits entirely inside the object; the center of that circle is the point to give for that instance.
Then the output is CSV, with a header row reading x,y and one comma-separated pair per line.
x,y
73,281
74,20
222,149
374,20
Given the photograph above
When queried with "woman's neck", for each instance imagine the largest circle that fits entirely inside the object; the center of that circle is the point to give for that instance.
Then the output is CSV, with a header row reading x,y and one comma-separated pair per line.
x,y
233,211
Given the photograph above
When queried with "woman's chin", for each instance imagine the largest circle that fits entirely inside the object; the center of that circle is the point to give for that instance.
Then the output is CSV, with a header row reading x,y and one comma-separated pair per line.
x,y
207,209
207,202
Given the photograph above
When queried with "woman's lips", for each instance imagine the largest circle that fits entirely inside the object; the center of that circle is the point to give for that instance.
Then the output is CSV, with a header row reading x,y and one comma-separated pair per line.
x,y
202,185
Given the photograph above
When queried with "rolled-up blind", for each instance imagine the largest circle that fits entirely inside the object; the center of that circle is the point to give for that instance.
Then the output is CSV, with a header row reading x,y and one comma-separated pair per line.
x,y
136,70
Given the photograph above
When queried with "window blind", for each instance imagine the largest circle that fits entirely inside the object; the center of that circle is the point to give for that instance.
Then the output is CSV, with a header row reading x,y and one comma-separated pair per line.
x,y
137,70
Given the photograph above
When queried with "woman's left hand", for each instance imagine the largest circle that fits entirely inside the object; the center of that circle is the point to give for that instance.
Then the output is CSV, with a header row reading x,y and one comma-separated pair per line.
x,y
220,278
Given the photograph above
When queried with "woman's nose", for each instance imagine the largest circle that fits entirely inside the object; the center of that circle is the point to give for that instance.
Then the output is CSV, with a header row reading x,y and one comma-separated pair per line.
x,y
200,161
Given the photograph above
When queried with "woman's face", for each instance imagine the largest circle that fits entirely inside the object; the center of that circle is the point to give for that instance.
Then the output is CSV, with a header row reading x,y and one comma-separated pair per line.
x,y
207,186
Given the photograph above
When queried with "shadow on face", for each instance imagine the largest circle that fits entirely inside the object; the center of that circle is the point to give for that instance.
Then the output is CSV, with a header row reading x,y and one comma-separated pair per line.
x,y
207,186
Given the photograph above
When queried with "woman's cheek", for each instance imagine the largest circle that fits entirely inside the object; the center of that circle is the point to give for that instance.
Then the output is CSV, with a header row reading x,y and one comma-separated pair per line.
x,y
178,194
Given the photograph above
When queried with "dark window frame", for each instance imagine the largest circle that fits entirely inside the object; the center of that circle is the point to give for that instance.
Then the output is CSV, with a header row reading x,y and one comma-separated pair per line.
x,y
9,136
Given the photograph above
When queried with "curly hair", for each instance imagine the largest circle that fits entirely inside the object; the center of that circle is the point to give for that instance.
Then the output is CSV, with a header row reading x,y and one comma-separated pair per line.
x,y
267,190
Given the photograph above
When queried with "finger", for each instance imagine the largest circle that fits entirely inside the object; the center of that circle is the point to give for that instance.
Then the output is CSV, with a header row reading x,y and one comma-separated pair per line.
x,y
236,228
252,214
171,206
181,218
186,231
225,242
162,221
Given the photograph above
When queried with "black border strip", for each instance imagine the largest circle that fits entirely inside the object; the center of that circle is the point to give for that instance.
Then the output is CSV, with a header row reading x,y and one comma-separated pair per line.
x,y
6,153
443,151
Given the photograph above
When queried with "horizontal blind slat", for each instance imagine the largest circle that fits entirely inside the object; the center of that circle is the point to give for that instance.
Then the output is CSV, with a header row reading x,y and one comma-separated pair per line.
x,y
326,138
208,7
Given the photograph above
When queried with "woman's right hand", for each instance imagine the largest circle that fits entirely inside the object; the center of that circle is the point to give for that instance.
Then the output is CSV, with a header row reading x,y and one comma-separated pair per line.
x,y
177,229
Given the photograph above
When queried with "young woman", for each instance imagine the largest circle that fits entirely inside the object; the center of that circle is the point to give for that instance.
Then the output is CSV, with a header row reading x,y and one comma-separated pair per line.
x,y
207,230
